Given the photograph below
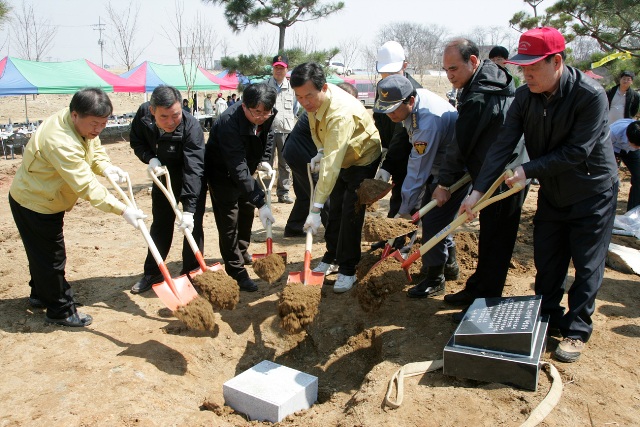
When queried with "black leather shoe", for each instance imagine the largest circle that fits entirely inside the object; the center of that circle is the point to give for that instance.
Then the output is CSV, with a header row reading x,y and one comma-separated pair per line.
x,y
431,286
76,319
247,258
285,199
36,303
457,317
464,297
451,268
294,233
145,283
247,285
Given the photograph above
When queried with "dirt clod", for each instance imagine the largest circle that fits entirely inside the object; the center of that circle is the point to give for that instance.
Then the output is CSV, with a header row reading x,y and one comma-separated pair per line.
x,y
383,280
371,190
298,306
376,228
269,268
219,289
366,262
197,314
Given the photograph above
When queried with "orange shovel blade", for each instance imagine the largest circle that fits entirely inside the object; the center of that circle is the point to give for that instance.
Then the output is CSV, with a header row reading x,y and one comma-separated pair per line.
x,y
185,292
214,267
313,278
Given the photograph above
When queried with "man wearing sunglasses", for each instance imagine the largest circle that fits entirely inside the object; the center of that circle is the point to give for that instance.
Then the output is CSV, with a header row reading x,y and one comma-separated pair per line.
x,y
240,142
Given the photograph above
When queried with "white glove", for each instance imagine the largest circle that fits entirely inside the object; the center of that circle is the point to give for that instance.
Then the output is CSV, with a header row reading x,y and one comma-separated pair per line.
x,y
265,215
116,174
154,166
382,175
313,221
187,222
265,167
315,162
132,215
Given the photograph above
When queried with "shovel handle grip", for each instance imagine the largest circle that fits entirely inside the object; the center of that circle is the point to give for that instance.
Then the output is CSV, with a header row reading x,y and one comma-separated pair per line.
x,y
432,204
269,245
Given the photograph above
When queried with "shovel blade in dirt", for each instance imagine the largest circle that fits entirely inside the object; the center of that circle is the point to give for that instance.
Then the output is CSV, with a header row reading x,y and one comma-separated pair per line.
x,y
376,190
307,276
180,294
213,267
256,257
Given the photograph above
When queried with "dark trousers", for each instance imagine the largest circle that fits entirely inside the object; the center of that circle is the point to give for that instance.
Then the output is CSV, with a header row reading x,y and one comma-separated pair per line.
x,y
234,218
579,233
631,159
43,240
208,122
284,172
343,232
435,220
298,153
163,223
395,201
498,232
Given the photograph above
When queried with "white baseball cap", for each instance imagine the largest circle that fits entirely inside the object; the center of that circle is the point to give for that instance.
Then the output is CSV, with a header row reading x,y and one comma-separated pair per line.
x,y
390,57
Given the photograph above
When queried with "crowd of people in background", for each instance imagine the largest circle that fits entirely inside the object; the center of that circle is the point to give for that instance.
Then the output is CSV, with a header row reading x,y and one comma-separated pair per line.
x,y
560,128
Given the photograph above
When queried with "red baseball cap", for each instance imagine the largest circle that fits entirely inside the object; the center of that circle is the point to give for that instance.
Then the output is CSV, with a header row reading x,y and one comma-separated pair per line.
x,y
537,44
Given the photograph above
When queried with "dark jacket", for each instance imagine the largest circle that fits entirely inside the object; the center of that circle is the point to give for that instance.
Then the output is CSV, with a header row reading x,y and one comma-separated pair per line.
x,y
566,138
631,103
182,151
482,109
394,137
234,151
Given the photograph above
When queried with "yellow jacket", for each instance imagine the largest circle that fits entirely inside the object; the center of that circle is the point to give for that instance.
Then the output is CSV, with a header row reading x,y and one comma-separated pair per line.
x,y
346,131
59,166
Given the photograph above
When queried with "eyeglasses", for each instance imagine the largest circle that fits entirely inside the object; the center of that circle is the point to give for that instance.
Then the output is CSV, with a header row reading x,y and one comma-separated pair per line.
x,y
260,114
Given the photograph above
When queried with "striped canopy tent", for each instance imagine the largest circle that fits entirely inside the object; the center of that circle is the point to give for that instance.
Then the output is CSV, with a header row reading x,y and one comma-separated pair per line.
x,y
149,75
22,77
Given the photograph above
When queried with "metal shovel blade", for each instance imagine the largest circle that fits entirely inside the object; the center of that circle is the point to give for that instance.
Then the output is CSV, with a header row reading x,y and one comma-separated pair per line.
x,y
183,288
306,276
213,267
372,198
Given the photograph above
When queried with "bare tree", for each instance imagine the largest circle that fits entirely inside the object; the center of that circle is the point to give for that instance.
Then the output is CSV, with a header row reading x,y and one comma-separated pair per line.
x,y
33,35
583,47
125,27
350,51
488,37
304,40
208,44
264,44
224,48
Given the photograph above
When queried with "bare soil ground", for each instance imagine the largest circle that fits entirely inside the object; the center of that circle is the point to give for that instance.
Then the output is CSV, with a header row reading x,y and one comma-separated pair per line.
x,y
137,365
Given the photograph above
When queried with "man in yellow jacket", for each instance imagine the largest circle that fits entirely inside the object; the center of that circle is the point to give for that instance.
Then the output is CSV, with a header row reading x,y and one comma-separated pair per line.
x,y
348,153
59,165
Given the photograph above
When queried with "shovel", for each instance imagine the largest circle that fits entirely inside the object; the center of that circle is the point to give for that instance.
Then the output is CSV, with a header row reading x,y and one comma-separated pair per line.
x,y
422,212
306,276
484,201
172,292
267,191
372,198
168,192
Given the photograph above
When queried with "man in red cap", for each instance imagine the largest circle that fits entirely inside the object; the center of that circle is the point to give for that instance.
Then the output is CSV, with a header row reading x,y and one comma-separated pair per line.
x,y
563,116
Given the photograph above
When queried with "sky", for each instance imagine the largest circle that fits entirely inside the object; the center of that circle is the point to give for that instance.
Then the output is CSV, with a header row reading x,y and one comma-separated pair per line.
x,y
77,20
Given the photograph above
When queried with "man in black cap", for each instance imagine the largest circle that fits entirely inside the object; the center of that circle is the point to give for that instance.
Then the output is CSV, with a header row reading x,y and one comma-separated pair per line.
x,y
563,116
283,123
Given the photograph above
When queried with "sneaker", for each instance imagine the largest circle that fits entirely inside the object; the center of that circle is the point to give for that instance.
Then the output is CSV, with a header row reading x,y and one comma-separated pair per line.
x,y
569,350
76,319
146,283
247,285
325,268
343,283
285,199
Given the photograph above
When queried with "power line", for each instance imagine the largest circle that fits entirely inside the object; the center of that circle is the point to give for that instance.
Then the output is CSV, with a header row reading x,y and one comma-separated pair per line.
x,y
100,26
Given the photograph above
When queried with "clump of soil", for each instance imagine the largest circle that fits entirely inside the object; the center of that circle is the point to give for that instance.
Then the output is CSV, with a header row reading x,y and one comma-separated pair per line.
x,y
366,262
197,314
370,190
218,288
298,306
383,280
269,268
373,207
376,229
467,249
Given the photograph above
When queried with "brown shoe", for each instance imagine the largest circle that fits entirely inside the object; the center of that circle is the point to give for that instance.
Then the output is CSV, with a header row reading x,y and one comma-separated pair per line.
x,y
569,350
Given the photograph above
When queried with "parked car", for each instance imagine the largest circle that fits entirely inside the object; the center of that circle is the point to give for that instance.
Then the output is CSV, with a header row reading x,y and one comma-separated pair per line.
x,y
340,69
366,92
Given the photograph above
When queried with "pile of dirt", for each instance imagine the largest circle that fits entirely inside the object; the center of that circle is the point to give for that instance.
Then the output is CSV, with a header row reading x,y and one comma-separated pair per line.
x,y
269,268
371,190
197,314
376,228
298,306
366,262
218,288
383,280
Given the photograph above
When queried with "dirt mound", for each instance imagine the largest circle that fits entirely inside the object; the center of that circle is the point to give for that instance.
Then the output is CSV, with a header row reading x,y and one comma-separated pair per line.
x,y
218,288
298,306
384,279
366,262
371,190
197,314
269,268
466,249
376,229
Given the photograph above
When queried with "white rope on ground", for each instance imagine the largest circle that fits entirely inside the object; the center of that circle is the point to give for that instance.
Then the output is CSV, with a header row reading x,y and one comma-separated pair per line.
x,y
540,412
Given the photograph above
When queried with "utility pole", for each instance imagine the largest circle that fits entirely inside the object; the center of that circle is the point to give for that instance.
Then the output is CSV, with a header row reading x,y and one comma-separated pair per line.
x,y
100,26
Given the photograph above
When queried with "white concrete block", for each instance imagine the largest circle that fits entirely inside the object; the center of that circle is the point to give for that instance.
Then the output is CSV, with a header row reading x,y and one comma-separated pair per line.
x,y
270,391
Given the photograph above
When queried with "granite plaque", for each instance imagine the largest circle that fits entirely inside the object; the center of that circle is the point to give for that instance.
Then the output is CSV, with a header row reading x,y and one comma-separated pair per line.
x,y
500,324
